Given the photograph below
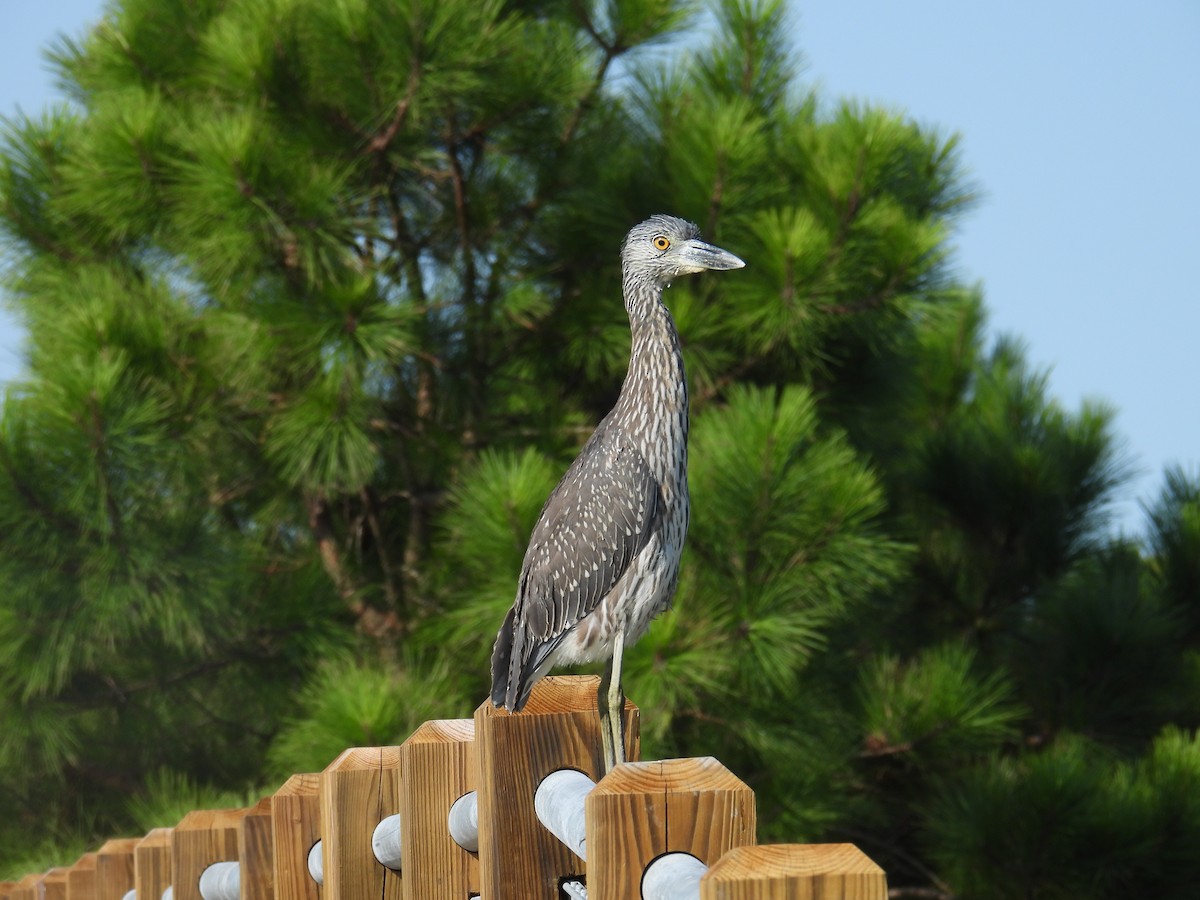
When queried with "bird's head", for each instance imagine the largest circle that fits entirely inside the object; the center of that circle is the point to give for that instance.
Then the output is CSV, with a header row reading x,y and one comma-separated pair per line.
x,y
663,247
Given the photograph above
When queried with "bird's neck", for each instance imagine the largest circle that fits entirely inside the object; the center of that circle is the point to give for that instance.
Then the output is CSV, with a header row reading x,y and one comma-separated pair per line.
x,y
654,397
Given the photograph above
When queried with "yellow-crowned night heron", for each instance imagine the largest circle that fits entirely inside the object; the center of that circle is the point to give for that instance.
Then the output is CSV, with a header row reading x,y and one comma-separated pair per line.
x,y
603,559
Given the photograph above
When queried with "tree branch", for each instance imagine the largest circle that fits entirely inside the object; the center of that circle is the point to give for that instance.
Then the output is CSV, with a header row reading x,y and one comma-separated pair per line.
x,y
380,142
389,582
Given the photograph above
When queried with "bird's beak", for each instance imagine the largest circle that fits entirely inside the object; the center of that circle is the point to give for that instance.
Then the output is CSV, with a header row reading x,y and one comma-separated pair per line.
x,y
697,256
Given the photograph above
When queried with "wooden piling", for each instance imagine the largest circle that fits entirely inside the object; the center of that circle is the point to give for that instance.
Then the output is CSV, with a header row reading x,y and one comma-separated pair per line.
x,y
558,729
152,864
81,878
114,868
26,888
296,826
256,852
202,838
54,885
437,766
629,819
794,872
358,790
640,811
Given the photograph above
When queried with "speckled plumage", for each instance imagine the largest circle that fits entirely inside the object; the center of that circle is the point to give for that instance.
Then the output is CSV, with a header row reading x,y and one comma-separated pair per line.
x,y
603,558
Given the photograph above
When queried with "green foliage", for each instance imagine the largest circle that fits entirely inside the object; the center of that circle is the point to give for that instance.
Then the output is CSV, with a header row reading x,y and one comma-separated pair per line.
x,y
1068,823
1175,546
493,508
935,709
48,853
168,796
322,299
356,704
785,542
1104,652
1008,490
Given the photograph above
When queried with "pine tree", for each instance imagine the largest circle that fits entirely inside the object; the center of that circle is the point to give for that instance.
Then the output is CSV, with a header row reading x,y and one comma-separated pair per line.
x,y
321,300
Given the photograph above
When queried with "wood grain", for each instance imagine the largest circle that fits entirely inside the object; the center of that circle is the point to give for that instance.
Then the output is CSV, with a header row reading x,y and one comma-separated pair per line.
x,y
296,826
26,888
643,810
795,872
256,852
358,790
81,878
437,766
114,868
54,885
558,729
202,838
152,863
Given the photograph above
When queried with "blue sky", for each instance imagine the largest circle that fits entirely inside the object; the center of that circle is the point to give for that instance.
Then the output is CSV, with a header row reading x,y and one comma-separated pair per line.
x,y
1080,124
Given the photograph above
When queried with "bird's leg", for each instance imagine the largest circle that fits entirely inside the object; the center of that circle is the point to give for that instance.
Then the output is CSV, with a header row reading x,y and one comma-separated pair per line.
x,y
611,701
616,701
606,744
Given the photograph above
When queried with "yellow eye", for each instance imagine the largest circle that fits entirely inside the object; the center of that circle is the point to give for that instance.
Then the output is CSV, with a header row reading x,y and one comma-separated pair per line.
x,y
661,243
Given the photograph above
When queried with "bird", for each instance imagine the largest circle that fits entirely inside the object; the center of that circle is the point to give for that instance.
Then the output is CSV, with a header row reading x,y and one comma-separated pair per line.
x,y
603,556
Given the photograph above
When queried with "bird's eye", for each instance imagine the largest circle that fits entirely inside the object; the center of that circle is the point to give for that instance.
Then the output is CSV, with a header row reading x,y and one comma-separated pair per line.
x,y
661,243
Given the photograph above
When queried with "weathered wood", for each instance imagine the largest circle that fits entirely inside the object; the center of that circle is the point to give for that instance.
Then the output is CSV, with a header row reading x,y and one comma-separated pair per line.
x,y
6,889
558,729
54,885
202,838
114,868
437,766
794,872
152,864
642,810
256,852
296,826
81,878
358,790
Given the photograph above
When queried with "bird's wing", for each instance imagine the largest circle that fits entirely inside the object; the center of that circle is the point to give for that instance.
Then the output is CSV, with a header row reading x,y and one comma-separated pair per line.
x,y
591,528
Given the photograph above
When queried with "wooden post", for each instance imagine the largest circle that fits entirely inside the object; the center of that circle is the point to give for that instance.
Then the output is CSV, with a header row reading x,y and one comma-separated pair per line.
x,y
54,885
437,766
114,869
643,810
26,888
6,889
558,729
256,852
152,864
296,826
203,837
81,878
358,790
795,872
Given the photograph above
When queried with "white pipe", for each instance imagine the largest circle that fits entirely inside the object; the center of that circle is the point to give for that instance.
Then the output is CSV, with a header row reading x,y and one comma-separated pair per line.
x,y
385,842
169,892
576,890
463,822
559,804
316,865
130,894
673,876
231,884
221,881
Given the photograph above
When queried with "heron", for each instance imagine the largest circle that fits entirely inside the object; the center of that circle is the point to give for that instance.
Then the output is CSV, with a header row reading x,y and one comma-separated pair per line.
x,y
603,558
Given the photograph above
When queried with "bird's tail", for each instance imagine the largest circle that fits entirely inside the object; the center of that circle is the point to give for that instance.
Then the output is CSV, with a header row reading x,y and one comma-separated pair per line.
x,y
504,684
516,666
